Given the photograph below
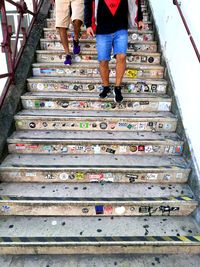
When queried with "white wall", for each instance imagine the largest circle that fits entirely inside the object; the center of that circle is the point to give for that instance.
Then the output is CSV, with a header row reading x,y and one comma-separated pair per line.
x,y
182,61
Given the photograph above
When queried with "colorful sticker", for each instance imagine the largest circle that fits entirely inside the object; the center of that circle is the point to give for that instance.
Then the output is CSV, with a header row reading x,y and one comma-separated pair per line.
x,y
132,73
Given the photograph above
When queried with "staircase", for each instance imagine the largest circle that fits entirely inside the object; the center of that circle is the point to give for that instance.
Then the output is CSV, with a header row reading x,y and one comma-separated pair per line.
x,y
88,176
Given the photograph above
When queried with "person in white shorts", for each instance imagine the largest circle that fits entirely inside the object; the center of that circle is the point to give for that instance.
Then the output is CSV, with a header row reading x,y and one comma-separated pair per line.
x,y
64,9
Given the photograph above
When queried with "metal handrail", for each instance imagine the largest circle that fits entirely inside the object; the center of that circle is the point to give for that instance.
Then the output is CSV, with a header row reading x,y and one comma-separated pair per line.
x,y
178,4
14,56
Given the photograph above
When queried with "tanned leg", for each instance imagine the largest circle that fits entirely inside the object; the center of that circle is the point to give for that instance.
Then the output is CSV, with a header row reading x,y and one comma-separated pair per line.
x,y
104,71
120,68
64,40
77,26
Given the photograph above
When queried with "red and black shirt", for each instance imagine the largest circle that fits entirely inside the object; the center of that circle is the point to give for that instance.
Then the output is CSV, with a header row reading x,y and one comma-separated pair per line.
x,y
108,22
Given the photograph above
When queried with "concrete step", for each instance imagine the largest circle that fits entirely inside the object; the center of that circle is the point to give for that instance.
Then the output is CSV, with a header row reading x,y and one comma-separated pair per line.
x,y
91,56
135,35
68,84
50,23
86,101
148,46
57,199
94,168
92,70
90,143
99,235
103,260
95,120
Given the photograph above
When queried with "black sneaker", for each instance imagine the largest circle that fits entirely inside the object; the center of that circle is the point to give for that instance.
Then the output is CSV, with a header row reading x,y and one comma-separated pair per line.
x,y
105,92
117,94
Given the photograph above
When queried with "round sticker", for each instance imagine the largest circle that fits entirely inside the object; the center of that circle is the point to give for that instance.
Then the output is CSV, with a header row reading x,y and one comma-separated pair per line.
x,y
134,36
133,148
120,210
40,86
103,125
32,125
64,176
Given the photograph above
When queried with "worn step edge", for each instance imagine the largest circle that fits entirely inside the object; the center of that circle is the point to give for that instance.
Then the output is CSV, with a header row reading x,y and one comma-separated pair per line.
x,y
81,84
65,168
85,101
58,52
88,80
93,65
93,121
74,143
58,206
94,114
93,174
89,96
156,86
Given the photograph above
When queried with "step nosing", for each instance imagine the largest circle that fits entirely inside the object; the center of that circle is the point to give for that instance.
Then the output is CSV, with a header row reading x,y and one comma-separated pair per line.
x,y
101,240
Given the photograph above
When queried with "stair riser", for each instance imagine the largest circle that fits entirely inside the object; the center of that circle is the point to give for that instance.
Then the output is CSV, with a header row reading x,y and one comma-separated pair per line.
x,y
94,176
139,59
143,105
65,208
85,148
95,124
84,72
50,23
158,248
134,36
76,86
87,46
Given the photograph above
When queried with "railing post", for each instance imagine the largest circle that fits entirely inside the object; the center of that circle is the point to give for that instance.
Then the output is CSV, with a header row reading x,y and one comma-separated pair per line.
x,y
7,32
13,58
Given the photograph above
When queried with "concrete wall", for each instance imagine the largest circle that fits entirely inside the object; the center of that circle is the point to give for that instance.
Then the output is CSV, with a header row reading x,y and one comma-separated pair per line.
x,y
182,62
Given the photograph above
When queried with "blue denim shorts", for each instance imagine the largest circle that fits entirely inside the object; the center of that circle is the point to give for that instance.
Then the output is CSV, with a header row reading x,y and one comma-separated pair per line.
x,y
118,41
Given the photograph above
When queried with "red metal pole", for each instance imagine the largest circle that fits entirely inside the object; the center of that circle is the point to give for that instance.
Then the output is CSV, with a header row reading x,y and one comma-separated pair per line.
x,y
187,28
6,39
6,46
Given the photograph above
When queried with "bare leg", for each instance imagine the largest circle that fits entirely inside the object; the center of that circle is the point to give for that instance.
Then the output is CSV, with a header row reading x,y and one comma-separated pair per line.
x,y
64,39
104,71
77,26
120,68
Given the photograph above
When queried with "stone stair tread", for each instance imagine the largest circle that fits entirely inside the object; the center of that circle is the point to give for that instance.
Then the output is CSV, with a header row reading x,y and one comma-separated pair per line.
x,y
94,53
88,226
87,95
94,192
91,113
88,80
90,136
164,260
55,65
93,161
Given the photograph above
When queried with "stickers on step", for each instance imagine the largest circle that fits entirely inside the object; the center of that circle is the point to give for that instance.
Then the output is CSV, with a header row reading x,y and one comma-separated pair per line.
x,y
131,73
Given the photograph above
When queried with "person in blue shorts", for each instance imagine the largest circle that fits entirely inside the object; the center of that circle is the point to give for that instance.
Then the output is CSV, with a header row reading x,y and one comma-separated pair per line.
x,y
113,18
